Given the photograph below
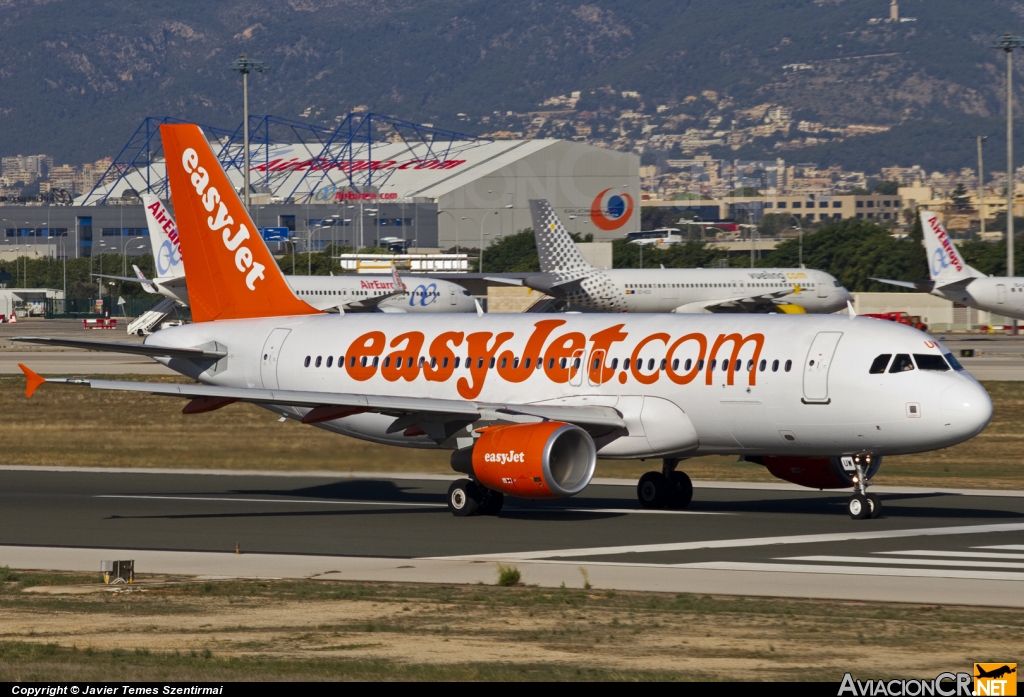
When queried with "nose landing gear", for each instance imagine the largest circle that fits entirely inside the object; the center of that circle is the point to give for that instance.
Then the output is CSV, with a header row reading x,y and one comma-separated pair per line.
x,y
862,504
666,489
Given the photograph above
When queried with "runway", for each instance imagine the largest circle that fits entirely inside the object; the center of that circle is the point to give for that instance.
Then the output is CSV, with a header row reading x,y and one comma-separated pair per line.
x,y
930,546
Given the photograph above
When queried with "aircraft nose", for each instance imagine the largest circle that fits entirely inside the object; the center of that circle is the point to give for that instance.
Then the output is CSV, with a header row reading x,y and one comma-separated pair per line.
x,y
966,408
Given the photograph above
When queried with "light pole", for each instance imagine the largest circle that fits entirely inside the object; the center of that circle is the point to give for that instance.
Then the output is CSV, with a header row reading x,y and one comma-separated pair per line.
x,y
483,219
981,185
1007,42
800,230
245,65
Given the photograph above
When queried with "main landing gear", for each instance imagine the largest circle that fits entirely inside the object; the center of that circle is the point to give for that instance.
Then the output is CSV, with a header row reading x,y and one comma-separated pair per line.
x,y
466,498
862,504
665,489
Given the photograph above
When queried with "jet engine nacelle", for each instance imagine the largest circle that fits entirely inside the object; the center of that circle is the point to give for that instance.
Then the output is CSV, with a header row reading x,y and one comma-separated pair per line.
x,y
819,472
533,461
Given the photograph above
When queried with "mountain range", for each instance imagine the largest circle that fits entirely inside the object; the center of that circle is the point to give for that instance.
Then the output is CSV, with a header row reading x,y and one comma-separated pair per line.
x,y
76,78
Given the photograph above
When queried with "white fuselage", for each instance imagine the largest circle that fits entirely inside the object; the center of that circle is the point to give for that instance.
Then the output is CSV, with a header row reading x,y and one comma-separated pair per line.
x,y
328,292
1001,295
690,290
803,385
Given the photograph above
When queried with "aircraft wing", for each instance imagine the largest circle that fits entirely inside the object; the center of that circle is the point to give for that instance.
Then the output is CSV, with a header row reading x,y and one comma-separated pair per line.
x,y
120,347
370,304
923,286
438,419
764,302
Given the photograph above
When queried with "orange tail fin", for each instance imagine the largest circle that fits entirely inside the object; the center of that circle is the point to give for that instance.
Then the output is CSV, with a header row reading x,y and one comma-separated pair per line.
x,y
231,273
32,380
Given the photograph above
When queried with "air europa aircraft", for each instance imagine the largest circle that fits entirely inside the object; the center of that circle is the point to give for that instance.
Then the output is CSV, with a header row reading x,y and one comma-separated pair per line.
x,y
345,293
567,276
954,279
528,402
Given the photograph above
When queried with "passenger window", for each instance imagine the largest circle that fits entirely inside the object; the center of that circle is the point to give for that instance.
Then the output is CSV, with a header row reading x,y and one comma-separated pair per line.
x,y
444,362
625,364
750,366
306,362
433,361
700,364
376,360
927,361
458,359
901,363
775,366
504,361
387,362
341,361
330,361
527,363
764,364
615,363
879,364
563,363
713,365
953,362
689,362
650,364
675,364
789,366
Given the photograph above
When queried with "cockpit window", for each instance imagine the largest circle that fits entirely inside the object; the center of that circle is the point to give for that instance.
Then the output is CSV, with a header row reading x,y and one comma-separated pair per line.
x,y
927,361
953,362
878,366
901,363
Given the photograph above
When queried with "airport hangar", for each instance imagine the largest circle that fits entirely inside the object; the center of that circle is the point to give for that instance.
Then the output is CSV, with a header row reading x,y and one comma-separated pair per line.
x,y
371,177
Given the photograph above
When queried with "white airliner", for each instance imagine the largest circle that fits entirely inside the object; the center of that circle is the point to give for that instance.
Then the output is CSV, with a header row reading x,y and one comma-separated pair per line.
x,y
529,402
953,279
566,275
345,293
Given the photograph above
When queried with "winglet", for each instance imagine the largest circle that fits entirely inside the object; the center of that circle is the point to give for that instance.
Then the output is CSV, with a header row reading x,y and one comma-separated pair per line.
x,y
850,310
32,380
398,279
479,310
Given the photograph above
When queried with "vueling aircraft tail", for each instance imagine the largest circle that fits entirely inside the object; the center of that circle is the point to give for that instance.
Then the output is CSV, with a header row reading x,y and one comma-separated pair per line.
x,y
945,264
557,252
231,273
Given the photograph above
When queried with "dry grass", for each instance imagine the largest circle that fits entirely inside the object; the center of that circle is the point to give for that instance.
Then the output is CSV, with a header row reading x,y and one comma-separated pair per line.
x,y
82,427
331,630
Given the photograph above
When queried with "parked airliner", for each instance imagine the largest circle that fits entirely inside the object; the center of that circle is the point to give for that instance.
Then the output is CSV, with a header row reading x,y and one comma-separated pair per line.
x,y
567,276
954,279
529,402
344,293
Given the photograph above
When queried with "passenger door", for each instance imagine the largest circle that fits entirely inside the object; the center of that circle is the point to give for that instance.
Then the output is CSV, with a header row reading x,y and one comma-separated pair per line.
x,y
271,353
453,296
816,367
577,366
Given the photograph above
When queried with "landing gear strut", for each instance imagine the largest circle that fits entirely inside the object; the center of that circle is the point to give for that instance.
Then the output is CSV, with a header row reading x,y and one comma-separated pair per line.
x,y
466,498
666,489
862,504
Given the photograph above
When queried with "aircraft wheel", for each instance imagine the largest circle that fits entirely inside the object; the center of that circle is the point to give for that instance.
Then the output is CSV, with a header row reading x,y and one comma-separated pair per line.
x,y
463,498
681,490
859,507
875,504
653,490
492,502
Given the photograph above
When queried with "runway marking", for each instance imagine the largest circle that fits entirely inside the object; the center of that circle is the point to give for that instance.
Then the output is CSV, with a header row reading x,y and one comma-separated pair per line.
x,y
236,500
919,562
980,555
854,570
1016,547
390,503
747,542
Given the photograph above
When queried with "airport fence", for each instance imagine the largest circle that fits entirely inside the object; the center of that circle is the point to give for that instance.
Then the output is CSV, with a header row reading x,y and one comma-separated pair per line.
x,y
92,308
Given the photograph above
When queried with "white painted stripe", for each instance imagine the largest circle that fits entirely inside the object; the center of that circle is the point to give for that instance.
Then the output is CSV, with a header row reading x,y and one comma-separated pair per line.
x,y
318,502
932,553
1019,547
748,542
920,562
854,570
549,509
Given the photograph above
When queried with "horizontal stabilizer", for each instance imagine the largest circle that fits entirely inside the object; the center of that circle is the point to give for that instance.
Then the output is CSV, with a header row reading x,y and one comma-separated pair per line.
x,y
958,284
923,286
118,347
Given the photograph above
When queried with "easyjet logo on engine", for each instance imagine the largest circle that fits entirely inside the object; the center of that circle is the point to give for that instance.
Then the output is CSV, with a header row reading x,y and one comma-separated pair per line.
x,y
222,222
504,458
559,357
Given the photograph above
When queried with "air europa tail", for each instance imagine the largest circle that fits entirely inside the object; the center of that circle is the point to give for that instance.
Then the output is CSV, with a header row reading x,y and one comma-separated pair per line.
x,y
945,264
163,235
231,273
555,249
